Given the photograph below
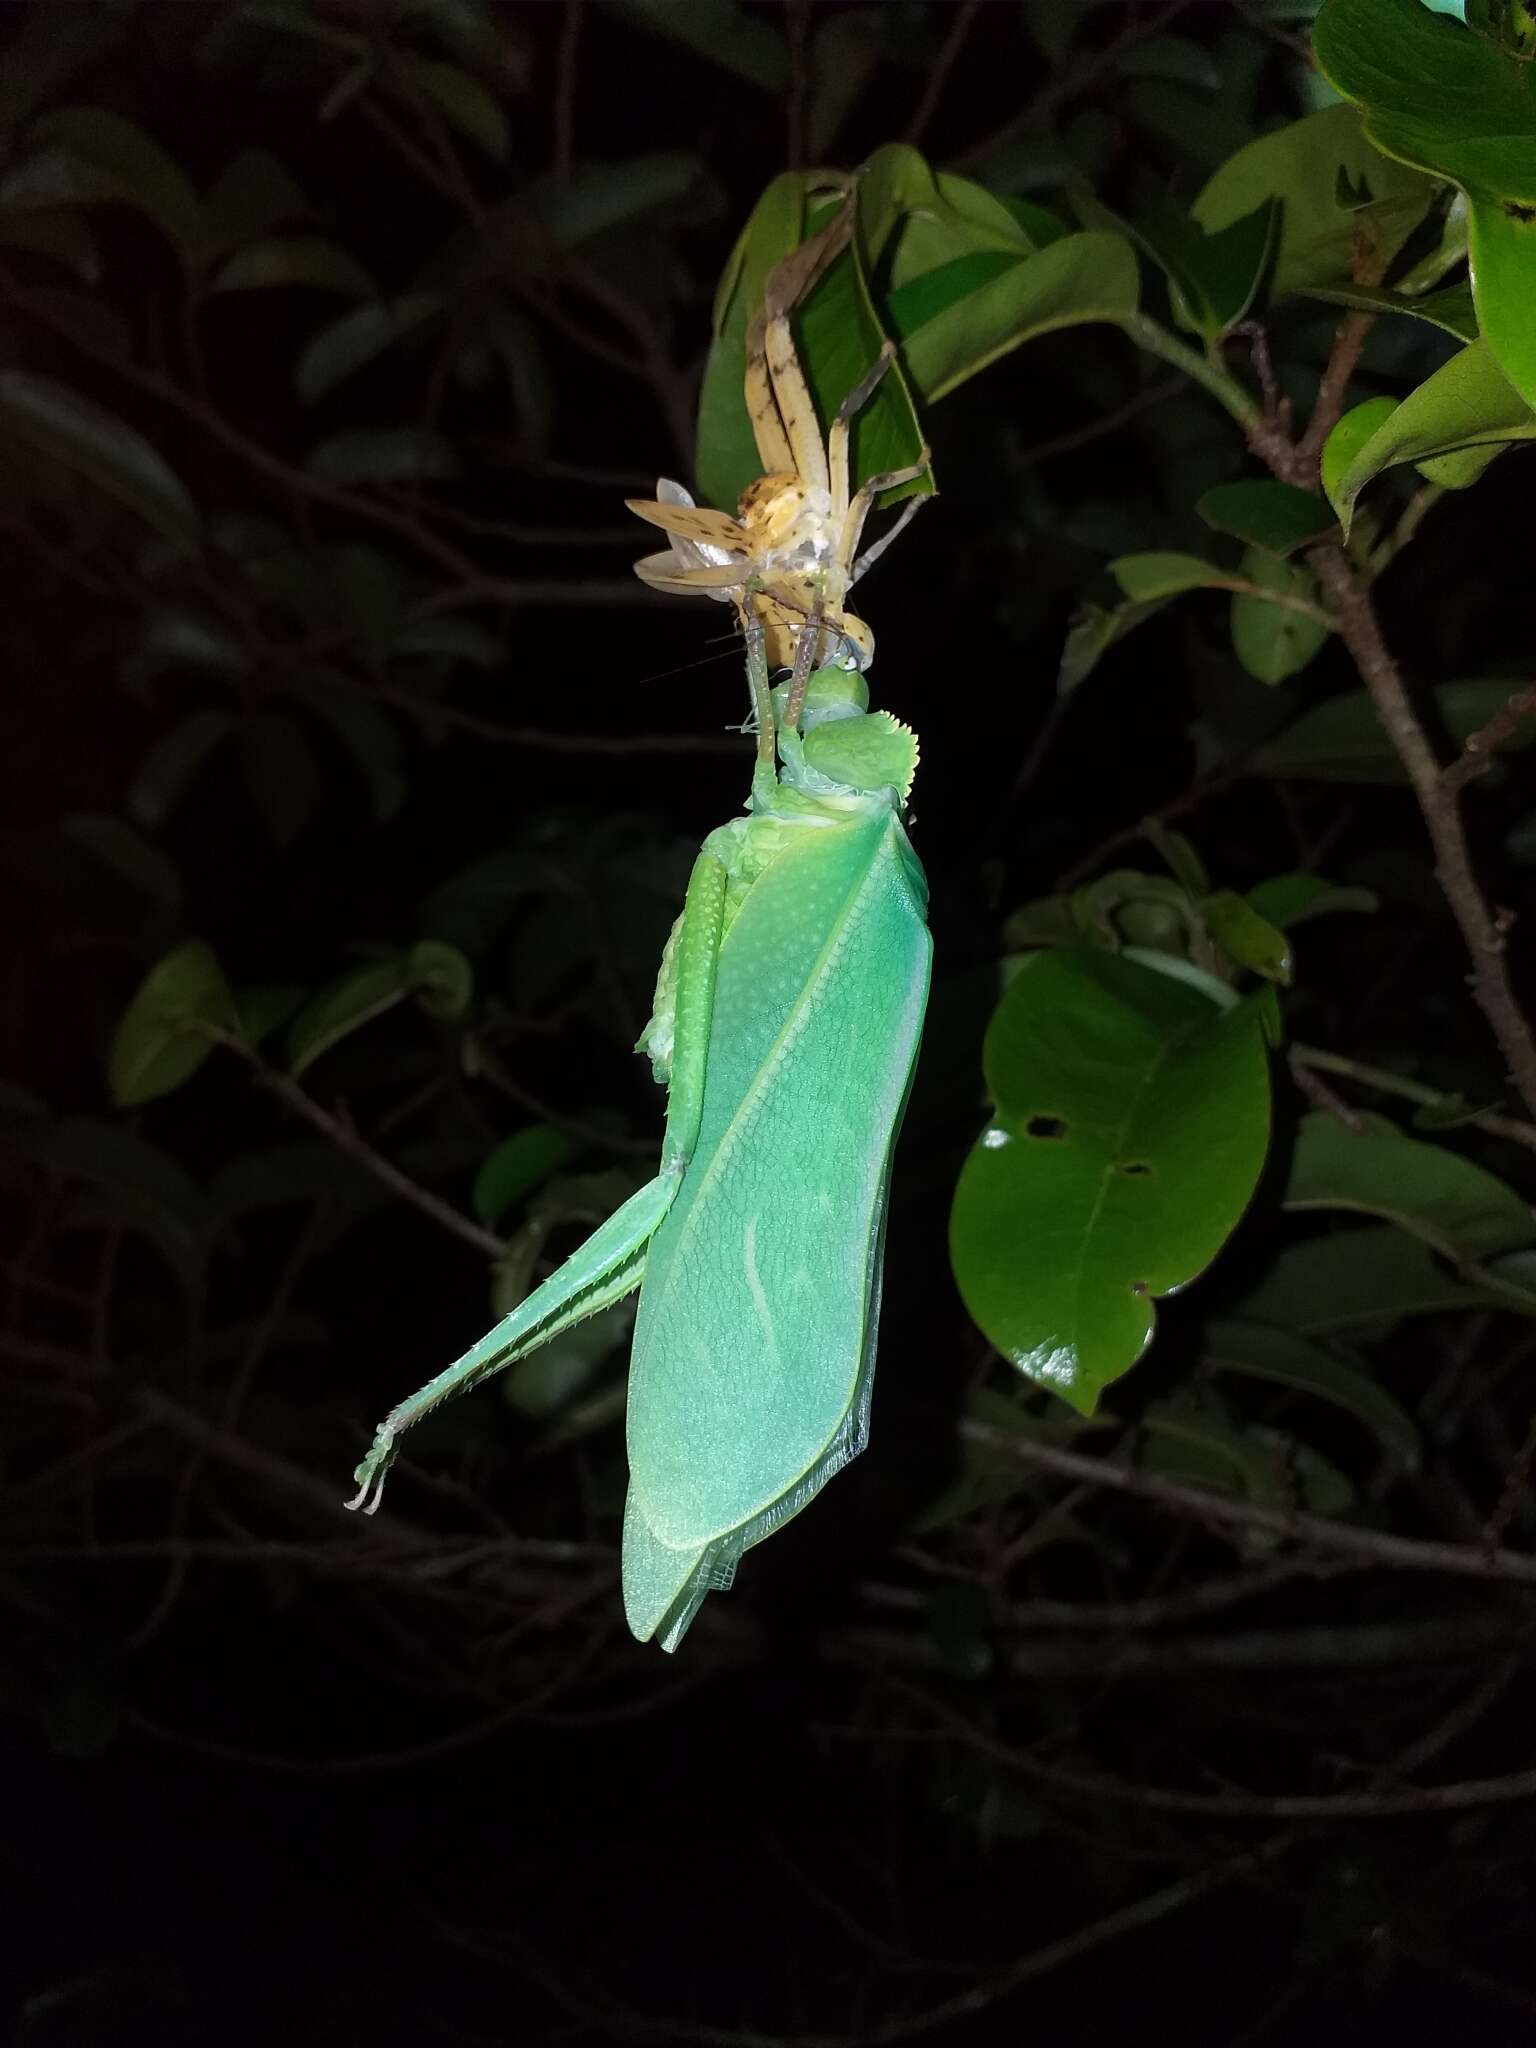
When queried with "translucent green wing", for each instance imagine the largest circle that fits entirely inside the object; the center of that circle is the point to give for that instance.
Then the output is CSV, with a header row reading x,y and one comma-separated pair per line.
x,y
750,1374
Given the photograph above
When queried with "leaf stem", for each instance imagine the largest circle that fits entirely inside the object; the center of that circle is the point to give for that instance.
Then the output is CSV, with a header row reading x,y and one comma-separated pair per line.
x,y
1411,1091
1151,335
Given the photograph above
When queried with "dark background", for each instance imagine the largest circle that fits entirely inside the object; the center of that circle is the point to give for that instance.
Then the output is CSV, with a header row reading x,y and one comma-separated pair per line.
x,y
271,1777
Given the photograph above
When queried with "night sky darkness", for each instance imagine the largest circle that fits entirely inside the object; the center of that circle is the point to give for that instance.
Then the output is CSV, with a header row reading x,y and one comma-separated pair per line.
x,y
289,1803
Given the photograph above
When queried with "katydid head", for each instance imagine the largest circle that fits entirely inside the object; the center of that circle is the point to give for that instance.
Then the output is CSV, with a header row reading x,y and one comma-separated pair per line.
x,y
833,691
842,747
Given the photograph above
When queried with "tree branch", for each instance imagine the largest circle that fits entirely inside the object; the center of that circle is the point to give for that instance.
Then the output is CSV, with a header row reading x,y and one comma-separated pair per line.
x,y
346,1139
1476,758
1405,1553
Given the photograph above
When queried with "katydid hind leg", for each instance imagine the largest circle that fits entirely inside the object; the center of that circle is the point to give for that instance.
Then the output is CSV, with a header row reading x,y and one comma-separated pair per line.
x,y
599,1273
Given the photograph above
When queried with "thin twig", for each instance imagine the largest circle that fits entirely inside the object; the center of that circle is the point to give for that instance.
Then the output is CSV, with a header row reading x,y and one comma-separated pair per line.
x,y
1462,1797
620,744
1355,620
1405,1553
1389,1083
347,1139
1483,930
1476,757
939,70
1103,423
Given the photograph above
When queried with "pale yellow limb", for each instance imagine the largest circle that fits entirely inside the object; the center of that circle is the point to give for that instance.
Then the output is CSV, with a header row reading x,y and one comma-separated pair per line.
x,y
863,505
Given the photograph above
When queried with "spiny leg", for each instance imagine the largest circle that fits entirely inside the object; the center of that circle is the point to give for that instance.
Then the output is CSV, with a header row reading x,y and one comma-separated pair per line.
x,y
599,1273
863,505
898,527
806,645
839,437
762,695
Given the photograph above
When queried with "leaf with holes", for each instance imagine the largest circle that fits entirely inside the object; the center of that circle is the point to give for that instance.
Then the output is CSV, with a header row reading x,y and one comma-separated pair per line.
x,y
1130,1126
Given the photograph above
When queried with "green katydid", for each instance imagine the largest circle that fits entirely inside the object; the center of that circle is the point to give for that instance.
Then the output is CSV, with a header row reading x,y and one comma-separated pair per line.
x,y
788,1012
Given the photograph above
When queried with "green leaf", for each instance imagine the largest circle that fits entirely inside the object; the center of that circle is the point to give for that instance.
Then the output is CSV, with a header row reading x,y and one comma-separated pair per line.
x,y
459,97
1197,1445
339,350
1451,310
307,260
1360,1280
1266,514
266,1006
66,428
383,455
517,1166
1342,740
252,195
1459,1209
1130,1127
1468,402
1348,436
598,197
368,735
838,339
1148,578
1285,900
1080,279
129,855
1263,1352
726,459
932,292
720,30
343,1006
914,220
1213,276
130,166
1246,937
1455,104
1094,629
303,1171
1301,165
442,980
1461,469
173,762
1271,641
164,1035
57,233
146,1191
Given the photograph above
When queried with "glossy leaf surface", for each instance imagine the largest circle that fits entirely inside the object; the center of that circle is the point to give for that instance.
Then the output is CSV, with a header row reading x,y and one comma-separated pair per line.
x,y
1130,1125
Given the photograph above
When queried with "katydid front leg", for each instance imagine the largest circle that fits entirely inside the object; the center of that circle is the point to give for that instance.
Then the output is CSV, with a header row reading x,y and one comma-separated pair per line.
x,y
611,1264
